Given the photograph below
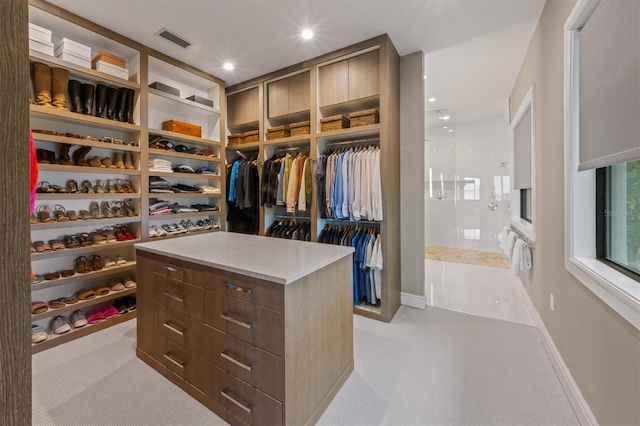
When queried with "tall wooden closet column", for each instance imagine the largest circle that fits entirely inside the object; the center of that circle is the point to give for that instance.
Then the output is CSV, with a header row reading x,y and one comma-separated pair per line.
x,y
360,77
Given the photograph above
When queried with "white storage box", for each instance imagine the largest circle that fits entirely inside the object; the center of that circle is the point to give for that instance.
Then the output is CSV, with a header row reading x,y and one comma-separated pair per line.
x,y
40,46
113,70
39,33
68,57
73,47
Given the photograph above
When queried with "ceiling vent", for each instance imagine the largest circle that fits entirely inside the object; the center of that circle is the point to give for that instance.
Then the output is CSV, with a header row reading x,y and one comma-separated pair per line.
x,y
173,38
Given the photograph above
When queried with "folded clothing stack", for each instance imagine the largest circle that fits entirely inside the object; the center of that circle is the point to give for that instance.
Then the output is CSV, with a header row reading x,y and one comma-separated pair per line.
x,y
159,185
181,187
183,168
157,207
177,208
160,165
206,170
208,189
205,207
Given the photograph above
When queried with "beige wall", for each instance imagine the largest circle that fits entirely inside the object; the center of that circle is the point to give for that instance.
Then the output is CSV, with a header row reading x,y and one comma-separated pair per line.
x,y
601,349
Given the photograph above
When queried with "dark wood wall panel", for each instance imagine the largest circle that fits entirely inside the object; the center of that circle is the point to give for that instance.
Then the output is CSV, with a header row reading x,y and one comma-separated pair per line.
x,y
15,344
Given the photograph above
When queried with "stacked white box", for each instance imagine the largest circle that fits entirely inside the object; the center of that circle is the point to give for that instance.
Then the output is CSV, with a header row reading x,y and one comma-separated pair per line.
x,y
40,46
74,52
41,34
113,70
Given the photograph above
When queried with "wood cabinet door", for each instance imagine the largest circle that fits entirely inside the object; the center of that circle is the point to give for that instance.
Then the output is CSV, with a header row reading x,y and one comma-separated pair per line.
x,y
334,83
278,98
364,75
243,107
299,93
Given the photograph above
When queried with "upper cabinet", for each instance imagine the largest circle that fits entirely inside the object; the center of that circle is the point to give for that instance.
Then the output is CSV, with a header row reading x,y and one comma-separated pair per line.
x,y
243,109
289,95
350,79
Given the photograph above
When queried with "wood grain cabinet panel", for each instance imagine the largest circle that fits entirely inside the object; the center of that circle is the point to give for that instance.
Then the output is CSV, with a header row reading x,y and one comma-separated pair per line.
x,y
334,83
144,293
278,97
179,296
244,401
246,288
180,360
255,366
364,75
179,270
243,107
180,328
299,92
251,323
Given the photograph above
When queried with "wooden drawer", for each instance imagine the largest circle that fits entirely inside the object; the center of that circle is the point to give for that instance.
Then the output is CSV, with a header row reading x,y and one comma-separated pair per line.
x,y
244,401
252,290
180,360
180,328
253,365
179,270
179,296
251,323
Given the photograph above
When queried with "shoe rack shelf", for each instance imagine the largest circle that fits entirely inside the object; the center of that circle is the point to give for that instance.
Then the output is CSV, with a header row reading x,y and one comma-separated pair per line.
x,y
83,196
81,251
38,111
104,272
85,169
184,175
198,108
84,142
83,73
83,304
58,339
98,223
184,234
163,153
186,195
179,137
180,216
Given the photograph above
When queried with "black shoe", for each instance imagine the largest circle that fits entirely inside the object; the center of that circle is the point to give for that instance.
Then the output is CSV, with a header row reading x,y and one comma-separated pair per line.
x,y
113,96
101,100
88,91
75,103
122,106
129,110
121,305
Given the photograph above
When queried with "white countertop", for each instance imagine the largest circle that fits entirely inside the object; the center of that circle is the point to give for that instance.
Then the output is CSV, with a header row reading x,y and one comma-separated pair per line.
x,y
272,259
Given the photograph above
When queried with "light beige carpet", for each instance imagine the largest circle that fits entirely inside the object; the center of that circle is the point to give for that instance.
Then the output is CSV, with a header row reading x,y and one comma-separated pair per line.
x,y
470,257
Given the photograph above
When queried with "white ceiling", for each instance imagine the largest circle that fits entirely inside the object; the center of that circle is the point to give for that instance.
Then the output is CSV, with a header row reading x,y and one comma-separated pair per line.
x,y
474,47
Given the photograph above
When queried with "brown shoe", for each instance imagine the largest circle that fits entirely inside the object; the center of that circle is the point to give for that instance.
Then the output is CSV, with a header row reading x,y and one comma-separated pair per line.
x,y
65,160
59,84
80,154
117,160
95,162
106,161
42,84
128,164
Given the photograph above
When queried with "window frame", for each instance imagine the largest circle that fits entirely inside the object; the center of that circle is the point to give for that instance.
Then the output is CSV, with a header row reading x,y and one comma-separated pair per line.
x,y
614,288
527,227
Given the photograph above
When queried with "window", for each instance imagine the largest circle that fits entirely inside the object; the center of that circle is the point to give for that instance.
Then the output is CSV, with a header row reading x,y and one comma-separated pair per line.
x,y
523,172
618,217
602,140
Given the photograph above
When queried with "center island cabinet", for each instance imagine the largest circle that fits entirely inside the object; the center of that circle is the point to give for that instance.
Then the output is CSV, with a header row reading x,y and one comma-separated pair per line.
x,y
258,329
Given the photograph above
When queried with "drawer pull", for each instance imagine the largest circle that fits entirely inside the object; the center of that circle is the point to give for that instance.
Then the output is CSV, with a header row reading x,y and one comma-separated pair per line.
x,y
173,328
171,296
235,361
235,401
172,269
173,360
226,317
236,288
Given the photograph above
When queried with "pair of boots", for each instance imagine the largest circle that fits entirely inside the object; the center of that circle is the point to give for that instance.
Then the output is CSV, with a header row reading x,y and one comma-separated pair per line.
x,y
81,97
118,161
114,103
50,86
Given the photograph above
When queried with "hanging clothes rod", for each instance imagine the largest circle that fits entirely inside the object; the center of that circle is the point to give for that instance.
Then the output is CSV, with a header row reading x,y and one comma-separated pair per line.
x,y
295,148
523,237
281,216
352,222
353,142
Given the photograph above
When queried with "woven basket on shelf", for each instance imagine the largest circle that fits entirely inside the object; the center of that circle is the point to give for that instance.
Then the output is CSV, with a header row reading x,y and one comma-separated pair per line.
x,y
364,118
335,122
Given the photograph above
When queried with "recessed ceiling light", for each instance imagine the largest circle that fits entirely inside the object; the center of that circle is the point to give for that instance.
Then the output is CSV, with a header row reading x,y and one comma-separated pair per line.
x,y
432,99
424,77
446,117
450,130
435,150
445,127
307,34
228,66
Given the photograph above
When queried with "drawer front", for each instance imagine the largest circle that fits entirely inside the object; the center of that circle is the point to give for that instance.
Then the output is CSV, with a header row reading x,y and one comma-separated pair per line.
x,y
179,270
248,289
255,366
244,401
179,296
178,327
251,323
180,360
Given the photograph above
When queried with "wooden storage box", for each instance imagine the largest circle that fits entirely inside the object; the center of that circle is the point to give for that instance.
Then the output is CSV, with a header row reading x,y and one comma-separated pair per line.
x,y
109,58
335,122
182,127
235,139
278,132
201,100
364,118
251,136
300,128
165,88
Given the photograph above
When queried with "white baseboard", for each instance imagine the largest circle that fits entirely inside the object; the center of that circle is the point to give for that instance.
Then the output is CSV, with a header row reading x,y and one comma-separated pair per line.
x,y
577,401
413,301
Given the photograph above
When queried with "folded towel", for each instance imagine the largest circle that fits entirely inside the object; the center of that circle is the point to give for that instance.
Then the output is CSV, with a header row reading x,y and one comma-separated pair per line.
x,y
508,248
515,258
525,260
